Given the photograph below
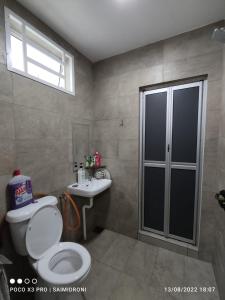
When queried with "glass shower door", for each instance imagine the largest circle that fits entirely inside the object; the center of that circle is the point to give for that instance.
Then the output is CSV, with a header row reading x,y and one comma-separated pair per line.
x,y
184,160
171,132
154,153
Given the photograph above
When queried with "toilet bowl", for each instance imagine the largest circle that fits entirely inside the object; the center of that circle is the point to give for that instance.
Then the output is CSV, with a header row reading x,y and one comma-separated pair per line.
x,y
36,231
65,263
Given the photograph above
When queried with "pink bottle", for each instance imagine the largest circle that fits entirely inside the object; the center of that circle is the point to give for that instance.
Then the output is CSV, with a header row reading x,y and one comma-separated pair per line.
x,y
98,159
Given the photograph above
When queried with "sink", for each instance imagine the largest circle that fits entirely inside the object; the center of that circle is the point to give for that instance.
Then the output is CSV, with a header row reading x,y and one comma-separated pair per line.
x,y
90,188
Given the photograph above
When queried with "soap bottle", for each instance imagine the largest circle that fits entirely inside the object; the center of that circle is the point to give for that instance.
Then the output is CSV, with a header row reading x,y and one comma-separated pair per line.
x,y
75,171
80,174
83,174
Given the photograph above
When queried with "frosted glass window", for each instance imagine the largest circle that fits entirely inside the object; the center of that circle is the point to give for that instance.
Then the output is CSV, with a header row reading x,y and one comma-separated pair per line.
x,y
17,53
44,59
30,53
41,73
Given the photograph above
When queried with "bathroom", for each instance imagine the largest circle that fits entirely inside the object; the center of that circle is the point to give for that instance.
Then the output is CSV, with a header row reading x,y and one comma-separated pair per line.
x,y
122,51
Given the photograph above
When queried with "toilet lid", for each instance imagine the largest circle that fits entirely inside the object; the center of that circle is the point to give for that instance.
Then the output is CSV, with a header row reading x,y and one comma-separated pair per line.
x,y
43,231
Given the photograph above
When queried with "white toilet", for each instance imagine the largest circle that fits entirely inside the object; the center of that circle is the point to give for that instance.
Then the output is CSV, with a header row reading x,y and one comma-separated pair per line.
x,y
36,230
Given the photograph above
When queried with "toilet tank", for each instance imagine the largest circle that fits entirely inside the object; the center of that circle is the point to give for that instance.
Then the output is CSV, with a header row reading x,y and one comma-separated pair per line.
x,y
18,220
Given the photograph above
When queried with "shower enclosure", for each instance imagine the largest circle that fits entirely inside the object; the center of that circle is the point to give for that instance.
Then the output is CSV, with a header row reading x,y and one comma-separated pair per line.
x,y
170,160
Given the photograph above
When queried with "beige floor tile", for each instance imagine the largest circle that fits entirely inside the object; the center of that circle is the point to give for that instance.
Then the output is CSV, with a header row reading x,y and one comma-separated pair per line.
x,y
168,269
129,289
141,262
127,269
100,244
119,252
101,282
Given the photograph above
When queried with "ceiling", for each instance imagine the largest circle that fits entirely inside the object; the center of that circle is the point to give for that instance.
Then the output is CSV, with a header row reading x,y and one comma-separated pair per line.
x,y
103,28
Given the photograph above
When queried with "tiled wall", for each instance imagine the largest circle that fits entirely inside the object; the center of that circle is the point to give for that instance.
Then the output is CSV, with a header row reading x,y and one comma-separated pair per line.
x,y
36,125
219,213
116,85
36,120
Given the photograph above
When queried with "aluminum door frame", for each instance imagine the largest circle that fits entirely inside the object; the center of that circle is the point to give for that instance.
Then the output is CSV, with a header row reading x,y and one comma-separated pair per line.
x,y
168,164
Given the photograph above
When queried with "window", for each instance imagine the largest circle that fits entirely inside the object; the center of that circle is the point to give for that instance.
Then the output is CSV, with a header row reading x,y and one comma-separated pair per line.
x,y
32,54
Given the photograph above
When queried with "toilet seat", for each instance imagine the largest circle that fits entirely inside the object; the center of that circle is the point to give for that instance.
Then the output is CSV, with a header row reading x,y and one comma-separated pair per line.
x,y
57,263
44,266
44,230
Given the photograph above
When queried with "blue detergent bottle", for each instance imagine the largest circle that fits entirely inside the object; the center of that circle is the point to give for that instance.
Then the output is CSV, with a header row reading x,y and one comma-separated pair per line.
x,y
20,190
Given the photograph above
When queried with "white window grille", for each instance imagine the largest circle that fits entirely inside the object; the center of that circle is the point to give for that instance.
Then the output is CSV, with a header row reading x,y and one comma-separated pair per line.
x,y
32,54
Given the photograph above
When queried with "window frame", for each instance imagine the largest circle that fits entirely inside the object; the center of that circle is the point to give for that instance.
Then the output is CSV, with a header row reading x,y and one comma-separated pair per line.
x,y
26,59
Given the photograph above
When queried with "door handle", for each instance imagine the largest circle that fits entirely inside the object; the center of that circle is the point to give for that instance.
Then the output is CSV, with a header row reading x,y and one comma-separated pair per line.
x,y
168,148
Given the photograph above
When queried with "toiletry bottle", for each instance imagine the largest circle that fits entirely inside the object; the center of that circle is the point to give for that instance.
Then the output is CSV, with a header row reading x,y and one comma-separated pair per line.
x,y
87,161
91,161
83,174
20,190
75,171
80,174
98,159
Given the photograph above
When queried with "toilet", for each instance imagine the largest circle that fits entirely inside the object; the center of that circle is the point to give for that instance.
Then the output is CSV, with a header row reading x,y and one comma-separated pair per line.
x,y
36,230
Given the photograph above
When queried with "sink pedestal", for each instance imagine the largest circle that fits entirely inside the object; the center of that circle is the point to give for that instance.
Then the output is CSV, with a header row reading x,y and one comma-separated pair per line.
x,y
84,216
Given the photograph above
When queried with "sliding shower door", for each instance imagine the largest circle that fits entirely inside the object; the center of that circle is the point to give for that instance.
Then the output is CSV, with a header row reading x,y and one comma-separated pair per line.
x,y
171,124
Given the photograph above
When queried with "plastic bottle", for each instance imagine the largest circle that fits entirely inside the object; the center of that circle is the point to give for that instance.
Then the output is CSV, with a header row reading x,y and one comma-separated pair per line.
x,y
98,159
75,171
20,190
80,174
83,175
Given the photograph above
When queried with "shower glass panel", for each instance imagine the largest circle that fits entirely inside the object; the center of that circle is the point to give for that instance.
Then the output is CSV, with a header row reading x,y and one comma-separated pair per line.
x,y
182,203
155,126
154,194
185,125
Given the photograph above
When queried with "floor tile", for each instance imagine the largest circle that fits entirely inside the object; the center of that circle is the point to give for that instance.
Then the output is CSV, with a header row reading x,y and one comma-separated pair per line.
x,y
129,289
127,269
168,270
141,262
101,282
119,252
201,296
199,274
100,244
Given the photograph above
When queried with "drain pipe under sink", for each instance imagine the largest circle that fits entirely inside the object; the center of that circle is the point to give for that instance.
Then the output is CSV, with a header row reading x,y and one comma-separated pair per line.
x,y
84,216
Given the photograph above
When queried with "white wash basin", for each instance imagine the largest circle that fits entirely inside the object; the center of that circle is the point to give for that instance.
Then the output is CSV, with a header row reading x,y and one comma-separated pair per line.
x,y
90,188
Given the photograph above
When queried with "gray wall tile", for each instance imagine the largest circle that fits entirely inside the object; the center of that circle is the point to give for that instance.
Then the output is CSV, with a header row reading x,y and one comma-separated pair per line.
x,y
36,124
218,213
7,156
117,81
5,81
36,120
6,121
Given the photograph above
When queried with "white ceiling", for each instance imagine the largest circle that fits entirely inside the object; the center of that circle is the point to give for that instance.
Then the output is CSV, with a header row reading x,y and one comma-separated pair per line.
x,y
102,28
